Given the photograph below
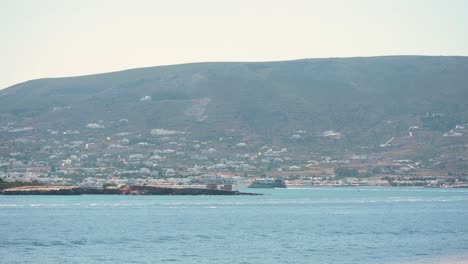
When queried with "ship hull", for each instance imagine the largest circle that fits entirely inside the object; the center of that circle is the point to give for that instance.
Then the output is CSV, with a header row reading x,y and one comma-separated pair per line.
x,y
266,184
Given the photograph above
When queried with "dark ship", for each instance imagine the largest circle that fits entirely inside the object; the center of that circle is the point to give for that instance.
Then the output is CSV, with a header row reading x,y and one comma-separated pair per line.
x,y
276,183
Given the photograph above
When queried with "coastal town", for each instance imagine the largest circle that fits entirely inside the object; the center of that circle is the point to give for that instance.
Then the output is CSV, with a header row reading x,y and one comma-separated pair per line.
x,y
97,156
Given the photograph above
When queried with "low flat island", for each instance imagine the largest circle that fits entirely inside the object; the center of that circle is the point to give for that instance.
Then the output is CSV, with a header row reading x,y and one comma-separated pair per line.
x,y
124,190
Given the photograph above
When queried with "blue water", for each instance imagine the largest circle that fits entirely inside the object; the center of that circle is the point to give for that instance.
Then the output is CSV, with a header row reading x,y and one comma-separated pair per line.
x,y
317,225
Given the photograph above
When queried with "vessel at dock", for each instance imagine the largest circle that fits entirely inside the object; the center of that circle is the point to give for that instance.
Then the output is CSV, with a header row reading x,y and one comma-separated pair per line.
x,y
276,183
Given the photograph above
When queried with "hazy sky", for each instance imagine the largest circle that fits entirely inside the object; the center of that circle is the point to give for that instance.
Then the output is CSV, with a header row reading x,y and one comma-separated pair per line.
x,y
52,38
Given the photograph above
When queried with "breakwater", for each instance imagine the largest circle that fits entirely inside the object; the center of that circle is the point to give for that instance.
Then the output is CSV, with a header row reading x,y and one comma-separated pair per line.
x,y
124,190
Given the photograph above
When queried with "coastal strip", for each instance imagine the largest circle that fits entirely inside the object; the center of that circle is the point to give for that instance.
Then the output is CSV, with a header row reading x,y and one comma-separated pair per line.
x,y
124,190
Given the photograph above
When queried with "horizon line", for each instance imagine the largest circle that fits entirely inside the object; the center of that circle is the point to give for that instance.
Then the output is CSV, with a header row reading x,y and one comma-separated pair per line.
x,y
226,61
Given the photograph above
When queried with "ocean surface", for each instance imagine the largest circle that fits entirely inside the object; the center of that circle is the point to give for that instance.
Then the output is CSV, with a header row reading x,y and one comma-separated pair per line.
x,y
314,225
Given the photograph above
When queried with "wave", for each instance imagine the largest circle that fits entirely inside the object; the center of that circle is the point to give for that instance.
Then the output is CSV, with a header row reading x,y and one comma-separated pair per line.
x,y
249,203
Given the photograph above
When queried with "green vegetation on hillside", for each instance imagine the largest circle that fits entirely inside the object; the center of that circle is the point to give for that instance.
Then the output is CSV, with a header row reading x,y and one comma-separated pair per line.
x,y
6,185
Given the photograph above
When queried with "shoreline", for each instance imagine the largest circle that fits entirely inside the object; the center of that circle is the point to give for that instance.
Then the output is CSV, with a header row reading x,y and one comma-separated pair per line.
x,y
124,190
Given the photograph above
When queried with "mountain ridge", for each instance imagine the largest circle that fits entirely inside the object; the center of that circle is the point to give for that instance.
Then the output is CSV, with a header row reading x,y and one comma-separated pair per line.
x,y
259,98
215,62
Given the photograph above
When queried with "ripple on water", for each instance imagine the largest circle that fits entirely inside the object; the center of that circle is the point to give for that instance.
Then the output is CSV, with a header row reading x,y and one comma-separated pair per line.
x,y
289,226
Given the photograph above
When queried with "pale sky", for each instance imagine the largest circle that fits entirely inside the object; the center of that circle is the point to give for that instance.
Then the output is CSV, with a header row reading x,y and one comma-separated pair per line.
x,y
55,38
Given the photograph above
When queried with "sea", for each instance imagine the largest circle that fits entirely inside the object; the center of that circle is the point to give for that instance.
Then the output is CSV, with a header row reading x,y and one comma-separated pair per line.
x,y
303,225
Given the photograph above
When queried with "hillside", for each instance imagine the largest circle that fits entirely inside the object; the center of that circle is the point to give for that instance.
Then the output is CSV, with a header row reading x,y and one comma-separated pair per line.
x,y
330,106
268,99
